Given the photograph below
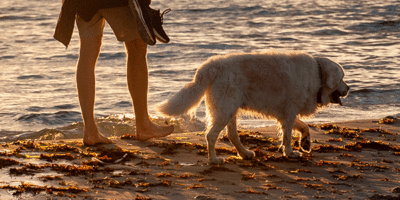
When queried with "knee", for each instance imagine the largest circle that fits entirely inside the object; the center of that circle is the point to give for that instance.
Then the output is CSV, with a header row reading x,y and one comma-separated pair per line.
x,y
90,46
136,48
91,42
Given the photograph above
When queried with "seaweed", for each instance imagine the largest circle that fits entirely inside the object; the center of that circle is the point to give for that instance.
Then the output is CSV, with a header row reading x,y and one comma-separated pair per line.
x,y
271,176
271,187
142,198
186,176
368,166
116,184
196,186
251,191
346,155
29,144
178,145
58,147
216,168
115,155
284,159
333,183
335,140
6,162
163,175
386,120
248,137
324,162
386,161
327,148
99,181
300,170
312,186
248,176
303,179
368,144
55,156
164,183
128,137
49,177
346,132
170,149
338,171
378,130
27,187
26,143
345,178
328,126
28,169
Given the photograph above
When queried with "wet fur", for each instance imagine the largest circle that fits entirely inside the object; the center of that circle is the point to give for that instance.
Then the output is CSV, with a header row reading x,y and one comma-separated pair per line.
x,y
283,86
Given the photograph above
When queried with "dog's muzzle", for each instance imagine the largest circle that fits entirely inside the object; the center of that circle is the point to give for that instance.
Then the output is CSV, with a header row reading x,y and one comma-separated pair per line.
x,y
335,96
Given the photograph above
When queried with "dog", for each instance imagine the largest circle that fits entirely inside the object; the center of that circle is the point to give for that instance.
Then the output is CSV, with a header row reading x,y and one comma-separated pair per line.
x,y
281,85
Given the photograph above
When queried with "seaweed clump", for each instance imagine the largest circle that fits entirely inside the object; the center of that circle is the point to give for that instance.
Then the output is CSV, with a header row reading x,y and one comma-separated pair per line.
x,y
368,144
6,162
26,187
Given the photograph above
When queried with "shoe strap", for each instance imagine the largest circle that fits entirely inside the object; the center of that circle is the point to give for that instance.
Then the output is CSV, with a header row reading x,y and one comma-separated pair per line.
x,y
163,13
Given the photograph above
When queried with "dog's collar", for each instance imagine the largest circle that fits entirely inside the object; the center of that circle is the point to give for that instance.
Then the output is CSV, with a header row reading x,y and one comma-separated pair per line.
x,y
319,95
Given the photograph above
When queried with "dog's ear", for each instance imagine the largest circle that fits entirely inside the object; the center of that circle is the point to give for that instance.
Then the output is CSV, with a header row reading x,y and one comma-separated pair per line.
x,y
332,73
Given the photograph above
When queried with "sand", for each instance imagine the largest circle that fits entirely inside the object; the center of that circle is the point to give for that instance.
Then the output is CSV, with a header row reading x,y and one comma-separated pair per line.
x,y
350,160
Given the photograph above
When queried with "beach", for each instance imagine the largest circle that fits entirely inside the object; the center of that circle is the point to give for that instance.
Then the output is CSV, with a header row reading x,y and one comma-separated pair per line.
x,y
355,152
38,84
349,160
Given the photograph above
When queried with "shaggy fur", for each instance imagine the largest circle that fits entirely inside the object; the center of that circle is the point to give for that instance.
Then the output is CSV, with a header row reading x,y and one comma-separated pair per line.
x,y
276,85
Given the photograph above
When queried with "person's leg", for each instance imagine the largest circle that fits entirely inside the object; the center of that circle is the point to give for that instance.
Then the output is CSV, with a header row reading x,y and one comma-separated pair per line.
x,y
137,75
85,79
90,34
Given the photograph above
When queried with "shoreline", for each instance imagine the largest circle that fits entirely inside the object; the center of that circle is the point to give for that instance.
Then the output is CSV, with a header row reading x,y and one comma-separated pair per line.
x,y
354,159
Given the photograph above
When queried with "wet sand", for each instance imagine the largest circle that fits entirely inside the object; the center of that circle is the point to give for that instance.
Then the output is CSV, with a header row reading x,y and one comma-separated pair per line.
x,y
355,160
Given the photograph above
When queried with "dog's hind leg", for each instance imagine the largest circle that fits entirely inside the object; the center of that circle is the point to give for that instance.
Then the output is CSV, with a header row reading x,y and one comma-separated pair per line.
x,y
287,125
235,140
212,136
305,141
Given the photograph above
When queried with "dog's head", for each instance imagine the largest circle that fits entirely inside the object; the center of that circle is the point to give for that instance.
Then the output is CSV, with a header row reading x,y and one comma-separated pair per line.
x,y
332,85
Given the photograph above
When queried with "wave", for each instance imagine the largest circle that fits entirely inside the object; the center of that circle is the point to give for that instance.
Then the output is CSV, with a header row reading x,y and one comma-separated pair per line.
x,y
375,27
110,126
31,77
58,118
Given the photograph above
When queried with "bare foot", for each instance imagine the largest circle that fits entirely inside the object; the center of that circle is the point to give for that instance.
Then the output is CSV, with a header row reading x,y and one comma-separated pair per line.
x,y
93,139
153,132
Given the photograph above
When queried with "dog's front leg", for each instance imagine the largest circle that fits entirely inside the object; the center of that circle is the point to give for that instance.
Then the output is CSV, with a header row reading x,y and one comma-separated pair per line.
x,y
287,126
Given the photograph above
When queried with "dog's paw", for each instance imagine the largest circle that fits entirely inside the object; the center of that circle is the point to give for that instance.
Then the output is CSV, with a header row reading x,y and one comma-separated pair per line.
x,y
306,145
247,155
292,154
216,161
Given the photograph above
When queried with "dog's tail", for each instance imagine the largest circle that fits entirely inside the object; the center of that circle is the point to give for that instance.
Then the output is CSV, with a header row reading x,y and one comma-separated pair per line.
x,y
189,97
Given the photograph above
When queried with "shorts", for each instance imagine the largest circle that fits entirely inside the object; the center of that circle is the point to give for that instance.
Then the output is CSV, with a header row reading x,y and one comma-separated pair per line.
x,y
121,20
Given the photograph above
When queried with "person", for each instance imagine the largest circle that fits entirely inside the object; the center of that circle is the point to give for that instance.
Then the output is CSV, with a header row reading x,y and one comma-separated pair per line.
x,y
134,23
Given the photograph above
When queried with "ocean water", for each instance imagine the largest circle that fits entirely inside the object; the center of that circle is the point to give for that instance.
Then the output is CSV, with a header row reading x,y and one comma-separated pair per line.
x,y
38,97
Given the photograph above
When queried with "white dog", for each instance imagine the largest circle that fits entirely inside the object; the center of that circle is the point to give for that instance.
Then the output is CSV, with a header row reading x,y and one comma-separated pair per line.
x,y
278,85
